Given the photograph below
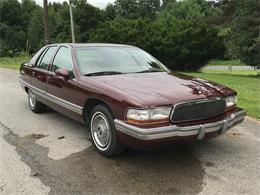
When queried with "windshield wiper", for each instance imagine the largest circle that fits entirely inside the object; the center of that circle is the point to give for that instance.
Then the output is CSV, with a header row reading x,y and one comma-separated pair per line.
x,y
103,73
150,70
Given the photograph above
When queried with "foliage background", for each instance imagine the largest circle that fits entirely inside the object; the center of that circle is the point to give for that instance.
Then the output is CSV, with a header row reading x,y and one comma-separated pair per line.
x,y
184,35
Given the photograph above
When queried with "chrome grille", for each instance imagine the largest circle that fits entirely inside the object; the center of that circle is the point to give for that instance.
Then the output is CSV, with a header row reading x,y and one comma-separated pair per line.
x,y
199,109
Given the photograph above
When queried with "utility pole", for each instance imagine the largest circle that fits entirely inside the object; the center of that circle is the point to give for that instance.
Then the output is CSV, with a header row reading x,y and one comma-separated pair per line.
x,y
46,21
72,21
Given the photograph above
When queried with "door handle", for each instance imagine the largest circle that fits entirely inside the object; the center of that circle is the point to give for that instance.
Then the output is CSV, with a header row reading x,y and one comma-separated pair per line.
x,y
48,79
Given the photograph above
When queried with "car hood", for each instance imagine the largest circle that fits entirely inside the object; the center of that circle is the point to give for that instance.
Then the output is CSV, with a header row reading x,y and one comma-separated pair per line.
x,y
161,88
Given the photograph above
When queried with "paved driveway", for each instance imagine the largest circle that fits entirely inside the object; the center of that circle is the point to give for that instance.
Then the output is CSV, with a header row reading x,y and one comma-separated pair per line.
x,y
49,153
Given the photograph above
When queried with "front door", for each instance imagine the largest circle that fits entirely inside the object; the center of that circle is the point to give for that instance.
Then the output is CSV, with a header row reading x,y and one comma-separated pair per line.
x,y
65,92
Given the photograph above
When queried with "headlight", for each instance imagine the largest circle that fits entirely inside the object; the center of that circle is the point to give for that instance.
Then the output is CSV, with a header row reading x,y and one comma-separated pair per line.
x,y
231,101
160,113
140,115
149,114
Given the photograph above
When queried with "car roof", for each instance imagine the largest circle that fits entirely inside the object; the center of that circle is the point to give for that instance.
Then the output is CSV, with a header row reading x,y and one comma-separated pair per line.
x,y
77,45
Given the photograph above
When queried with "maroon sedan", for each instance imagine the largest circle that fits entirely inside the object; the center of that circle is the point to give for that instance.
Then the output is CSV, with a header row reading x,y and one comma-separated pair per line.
x,y
126,97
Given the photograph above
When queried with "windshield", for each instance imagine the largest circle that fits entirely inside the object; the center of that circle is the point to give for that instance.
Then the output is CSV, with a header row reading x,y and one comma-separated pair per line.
x,y
95,61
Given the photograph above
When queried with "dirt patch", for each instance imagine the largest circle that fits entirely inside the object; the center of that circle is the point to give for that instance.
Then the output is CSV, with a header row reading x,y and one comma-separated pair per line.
x,y
36,136
209,164
233,135
61,137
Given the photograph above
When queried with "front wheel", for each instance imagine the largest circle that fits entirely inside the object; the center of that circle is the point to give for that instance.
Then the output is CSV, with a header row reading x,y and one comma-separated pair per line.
x,y
35,106
103,132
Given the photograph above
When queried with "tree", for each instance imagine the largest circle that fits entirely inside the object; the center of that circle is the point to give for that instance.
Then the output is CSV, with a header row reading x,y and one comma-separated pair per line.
x,y
122,30
165,3
223,20
110,12
35,31
27,8
134,9
148,9
10,12
12,33
15,19
59,22
127,8
86,17
245,29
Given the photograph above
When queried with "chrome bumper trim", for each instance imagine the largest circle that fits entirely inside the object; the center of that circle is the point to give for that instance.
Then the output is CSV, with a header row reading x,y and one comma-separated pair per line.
x,y
176,131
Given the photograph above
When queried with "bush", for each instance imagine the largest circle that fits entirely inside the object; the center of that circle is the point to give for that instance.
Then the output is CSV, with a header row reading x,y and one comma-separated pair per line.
x,y
187,48
124,31
179,37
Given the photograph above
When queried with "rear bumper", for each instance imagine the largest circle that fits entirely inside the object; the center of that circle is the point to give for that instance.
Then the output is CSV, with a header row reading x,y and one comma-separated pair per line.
x,y
199,131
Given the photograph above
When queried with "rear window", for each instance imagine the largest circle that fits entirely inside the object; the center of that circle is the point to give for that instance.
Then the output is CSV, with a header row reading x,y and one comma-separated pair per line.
x,y
44,60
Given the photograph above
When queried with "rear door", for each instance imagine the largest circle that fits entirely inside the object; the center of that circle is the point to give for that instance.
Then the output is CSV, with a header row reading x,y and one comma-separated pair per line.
x,y
40,72
26,70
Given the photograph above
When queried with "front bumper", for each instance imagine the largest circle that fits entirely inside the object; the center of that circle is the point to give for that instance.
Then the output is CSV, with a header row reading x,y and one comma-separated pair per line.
x,y
175,131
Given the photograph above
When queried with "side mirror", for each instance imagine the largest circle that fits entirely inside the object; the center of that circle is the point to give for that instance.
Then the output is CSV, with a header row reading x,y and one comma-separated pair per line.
x,y
22,65
63,72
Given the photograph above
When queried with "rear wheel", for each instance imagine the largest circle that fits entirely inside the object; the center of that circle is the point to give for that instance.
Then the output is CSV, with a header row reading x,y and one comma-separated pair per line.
x,y
103,132
35,106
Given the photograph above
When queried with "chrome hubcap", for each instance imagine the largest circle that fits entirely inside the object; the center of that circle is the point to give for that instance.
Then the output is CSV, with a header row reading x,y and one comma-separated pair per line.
x,y
100,131
32,99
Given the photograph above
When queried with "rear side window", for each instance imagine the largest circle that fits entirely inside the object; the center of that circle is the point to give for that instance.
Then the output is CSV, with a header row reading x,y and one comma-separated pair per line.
x,y
45,58
63,60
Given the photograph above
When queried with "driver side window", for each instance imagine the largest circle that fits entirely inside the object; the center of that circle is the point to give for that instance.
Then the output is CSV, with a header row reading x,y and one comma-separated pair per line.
x,y
63,60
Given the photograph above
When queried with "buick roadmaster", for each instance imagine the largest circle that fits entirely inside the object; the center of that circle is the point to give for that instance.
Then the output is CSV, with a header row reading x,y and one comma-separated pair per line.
x,y
126,97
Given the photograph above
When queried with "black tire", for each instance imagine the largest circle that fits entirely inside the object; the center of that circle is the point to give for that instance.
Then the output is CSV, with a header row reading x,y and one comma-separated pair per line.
x,y
101,114
34,104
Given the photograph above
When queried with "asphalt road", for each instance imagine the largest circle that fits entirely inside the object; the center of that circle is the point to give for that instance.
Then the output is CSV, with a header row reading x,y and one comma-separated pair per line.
x,y
49,153
227,68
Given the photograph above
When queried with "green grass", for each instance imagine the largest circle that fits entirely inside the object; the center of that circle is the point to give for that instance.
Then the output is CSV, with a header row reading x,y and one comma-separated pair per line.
x,y
246,83
225,63
13,63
